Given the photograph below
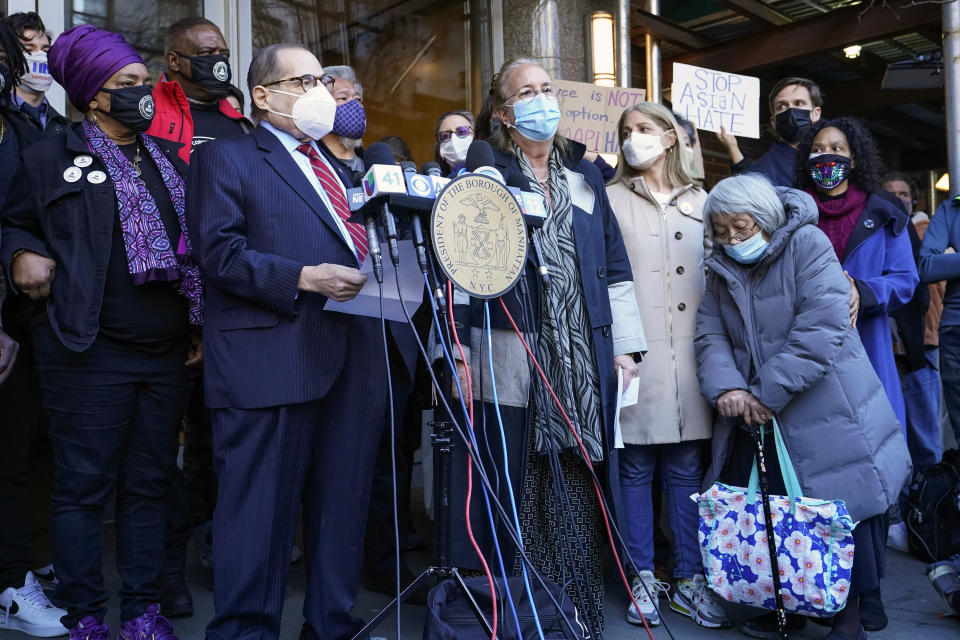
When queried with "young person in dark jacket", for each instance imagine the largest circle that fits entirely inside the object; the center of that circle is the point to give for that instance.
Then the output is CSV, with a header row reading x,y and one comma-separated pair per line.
x,y
95,228
30,114
192,107
23,604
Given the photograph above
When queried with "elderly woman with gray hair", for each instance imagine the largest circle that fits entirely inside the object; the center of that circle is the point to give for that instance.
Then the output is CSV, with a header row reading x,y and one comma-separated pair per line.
x,y
774,340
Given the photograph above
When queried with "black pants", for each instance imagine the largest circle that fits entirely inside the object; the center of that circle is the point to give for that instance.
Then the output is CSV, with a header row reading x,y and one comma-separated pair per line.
x,y
114,413
24,461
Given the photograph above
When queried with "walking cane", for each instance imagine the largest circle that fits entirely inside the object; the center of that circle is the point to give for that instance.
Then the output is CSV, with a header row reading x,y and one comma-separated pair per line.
x,y
771,537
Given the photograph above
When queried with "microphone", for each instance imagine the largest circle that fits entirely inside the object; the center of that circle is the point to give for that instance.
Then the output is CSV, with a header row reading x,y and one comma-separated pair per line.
x,y
534,221
382,177
431,169
531,204
480,160
416,185
377,154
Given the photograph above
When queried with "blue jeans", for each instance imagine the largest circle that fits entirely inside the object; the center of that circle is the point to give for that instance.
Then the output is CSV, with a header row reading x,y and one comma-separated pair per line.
x,y
950,374
921,394
114,413
681,473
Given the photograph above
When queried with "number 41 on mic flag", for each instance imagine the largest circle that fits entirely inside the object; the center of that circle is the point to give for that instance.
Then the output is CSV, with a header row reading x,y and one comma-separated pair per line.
x,y
710,98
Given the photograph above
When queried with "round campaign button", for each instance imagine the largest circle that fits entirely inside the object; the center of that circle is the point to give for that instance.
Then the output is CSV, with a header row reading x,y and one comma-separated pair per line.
x,y
83,161
686,208
72,174
869,223
96,177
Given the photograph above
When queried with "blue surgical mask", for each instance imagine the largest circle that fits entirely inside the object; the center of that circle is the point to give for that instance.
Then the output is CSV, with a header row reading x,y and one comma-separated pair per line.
x,y
748,251
538,119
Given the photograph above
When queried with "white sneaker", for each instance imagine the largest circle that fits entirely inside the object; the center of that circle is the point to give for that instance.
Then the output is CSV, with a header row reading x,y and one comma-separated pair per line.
x,y
27,609
646,599
695,600
47,577
898,538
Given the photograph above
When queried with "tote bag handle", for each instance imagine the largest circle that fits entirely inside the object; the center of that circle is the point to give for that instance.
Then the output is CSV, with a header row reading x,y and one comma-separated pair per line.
x,y
790,480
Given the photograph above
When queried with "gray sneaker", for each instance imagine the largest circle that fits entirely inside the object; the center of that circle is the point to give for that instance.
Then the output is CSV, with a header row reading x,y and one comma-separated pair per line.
x,y
646,598
694,599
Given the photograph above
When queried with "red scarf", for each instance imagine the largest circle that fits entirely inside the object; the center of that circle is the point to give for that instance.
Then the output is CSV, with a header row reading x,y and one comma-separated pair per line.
x,y
838,216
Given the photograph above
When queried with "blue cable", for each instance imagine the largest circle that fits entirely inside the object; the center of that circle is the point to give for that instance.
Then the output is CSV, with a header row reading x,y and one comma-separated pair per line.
x,y
506,467
473,441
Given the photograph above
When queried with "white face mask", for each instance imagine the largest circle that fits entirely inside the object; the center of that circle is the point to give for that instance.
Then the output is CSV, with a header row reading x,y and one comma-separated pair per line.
x,y
313,112
37,78
641,150
454,150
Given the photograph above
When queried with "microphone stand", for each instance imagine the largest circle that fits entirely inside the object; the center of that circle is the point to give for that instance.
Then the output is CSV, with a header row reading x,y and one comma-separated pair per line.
x,y
442,442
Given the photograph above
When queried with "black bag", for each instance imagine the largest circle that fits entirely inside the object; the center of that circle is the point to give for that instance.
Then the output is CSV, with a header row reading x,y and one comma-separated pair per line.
x,y
451,617
932,514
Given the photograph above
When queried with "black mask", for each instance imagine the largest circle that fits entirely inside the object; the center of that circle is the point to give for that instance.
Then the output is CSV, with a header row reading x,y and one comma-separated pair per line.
x,y
132,106
211,73
6,80
789,123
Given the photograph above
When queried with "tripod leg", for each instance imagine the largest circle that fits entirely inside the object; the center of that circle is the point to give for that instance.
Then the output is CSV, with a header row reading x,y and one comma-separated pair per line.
x,y
473,603
395,603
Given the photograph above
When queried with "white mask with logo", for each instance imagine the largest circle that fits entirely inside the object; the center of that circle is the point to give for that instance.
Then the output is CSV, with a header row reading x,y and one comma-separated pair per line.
x,y
37,78
454,150
313,112
641,150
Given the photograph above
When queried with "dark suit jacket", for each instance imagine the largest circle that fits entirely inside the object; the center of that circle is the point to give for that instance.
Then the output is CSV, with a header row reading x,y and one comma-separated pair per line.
x,y
255,222
70,222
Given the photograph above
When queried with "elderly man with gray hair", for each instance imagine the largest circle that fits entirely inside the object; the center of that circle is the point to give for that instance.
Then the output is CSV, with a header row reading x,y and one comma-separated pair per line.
x,y
774,339
343,142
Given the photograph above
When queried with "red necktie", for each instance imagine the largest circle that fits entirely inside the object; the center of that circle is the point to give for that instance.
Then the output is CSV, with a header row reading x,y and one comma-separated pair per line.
x,y
337,199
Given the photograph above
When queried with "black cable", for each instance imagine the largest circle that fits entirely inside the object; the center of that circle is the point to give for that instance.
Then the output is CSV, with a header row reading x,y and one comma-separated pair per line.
x,y
501,512
393,448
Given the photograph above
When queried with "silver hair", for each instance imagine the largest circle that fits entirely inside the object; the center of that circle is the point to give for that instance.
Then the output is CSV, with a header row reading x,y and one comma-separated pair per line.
x,y
348,73
750,193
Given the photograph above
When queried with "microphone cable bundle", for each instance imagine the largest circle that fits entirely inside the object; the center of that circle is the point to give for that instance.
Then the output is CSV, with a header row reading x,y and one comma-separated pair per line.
x,y
380,191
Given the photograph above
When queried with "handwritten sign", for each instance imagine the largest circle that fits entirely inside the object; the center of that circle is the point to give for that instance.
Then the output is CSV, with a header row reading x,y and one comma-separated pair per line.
x,y
589,113
711,98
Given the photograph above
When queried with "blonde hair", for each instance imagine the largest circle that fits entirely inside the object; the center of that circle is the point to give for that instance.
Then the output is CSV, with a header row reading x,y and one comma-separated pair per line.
x,y
499,91
679,161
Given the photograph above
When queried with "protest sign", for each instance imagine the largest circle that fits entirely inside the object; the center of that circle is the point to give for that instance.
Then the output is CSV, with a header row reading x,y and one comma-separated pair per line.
x,y
589,113
709,99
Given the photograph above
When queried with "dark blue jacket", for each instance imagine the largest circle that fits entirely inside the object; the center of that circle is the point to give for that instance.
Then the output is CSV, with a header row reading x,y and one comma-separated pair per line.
x,y
255,222
69,222
777,164
936,265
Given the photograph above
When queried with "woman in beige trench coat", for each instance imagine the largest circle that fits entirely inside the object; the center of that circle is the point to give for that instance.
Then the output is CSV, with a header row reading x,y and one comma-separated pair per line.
x,y
658,207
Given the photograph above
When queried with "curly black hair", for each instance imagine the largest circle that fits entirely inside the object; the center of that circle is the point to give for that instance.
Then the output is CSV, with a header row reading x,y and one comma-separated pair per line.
x,y
868,166
10,44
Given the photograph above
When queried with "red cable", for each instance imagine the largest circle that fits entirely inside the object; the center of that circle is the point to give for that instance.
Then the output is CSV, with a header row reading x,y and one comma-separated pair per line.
x,y
473,541
586,458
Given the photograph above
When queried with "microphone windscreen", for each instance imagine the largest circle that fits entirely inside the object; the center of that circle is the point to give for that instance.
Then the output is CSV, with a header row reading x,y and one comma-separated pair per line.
x,y
479,154
431,169
377,153
408,167
519,181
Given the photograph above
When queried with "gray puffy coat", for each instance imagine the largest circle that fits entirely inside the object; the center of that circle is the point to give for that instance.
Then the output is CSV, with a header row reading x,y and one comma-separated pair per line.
x,y
790,312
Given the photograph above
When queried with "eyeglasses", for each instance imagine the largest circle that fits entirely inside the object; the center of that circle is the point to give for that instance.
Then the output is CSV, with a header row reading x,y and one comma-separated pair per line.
x,y
460,132
307,81
739,237
526,94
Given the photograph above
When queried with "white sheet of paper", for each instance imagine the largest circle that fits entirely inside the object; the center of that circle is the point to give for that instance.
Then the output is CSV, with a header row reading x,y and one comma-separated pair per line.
x,y
367,302
626,399
710,98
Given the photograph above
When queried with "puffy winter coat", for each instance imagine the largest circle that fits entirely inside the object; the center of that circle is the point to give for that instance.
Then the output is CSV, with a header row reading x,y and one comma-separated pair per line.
x,y
780,329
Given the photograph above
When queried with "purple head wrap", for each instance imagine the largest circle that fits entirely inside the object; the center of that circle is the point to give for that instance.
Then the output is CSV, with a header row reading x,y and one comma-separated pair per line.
x,y
83,58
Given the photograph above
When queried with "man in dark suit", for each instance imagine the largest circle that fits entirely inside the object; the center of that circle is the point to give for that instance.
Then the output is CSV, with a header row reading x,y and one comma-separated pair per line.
x,y
297,404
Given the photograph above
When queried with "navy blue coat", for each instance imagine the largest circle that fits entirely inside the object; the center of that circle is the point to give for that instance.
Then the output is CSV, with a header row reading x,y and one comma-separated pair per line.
x,y
255,222
937,264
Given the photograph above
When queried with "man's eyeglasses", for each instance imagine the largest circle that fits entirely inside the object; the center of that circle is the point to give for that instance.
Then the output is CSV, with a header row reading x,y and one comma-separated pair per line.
x,y
307,81
526,94
460,132
739,237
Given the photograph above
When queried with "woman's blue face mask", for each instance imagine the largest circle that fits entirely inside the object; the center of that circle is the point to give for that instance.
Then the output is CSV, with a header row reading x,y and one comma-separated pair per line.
x,y
538,119
748,251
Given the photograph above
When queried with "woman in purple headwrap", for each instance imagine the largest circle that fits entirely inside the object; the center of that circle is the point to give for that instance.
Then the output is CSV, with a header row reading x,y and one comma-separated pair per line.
x,y
94,227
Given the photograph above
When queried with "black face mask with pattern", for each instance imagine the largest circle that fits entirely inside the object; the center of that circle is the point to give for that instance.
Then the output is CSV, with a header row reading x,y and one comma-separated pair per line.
x,y
6,81
132,106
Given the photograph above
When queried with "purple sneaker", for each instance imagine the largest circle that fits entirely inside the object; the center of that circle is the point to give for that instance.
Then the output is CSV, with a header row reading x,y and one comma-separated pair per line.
x,y
149,626
90,629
